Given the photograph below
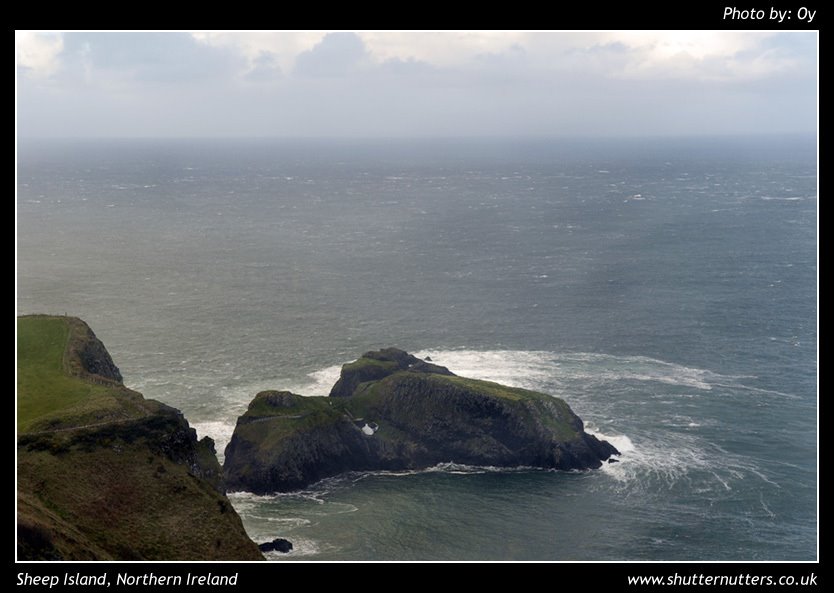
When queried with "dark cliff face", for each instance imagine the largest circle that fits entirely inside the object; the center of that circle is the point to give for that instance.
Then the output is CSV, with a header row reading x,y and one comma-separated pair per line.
x,y
406,417
291,446
87,356
103,473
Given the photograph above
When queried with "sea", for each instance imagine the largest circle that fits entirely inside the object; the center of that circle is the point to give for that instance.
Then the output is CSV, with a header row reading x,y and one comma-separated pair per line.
x,y
666,288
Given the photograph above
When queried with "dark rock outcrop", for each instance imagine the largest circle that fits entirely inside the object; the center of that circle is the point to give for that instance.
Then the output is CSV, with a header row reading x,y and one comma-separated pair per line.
x,y
277,545
86,355
402,415
378,364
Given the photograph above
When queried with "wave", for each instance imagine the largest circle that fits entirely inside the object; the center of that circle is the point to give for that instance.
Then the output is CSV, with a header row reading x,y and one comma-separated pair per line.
x,y
448,467
314,494
668,459
220,431
320,382
285,522
244,498
529,369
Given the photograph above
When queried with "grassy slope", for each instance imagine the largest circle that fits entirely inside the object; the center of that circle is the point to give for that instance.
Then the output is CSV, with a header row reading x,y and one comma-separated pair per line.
x,y
557,414
127,504
272,424
50,398
93,481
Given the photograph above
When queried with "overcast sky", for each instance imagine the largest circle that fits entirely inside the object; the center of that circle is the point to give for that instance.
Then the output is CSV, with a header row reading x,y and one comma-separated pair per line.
x,y
371,84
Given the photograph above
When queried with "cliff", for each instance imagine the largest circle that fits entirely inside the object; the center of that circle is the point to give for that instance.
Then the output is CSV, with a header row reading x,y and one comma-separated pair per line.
x,y
391,411
103,473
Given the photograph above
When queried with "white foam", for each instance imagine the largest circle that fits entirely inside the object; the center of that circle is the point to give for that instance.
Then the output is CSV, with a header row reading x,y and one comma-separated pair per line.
x,y
766,508
531,368
650,460
320,382
510,367
623,444
669,458
218,430
447,467
287,523
464,469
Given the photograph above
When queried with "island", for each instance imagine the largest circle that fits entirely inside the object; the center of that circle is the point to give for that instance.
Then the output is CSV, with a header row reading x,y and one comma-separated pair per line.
x,y
102,472
390,410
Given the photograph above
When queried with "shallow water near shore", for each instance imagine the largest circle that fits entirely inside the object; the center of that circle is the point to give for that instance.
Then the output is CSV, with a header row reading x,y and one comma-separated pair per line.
x,y
665,289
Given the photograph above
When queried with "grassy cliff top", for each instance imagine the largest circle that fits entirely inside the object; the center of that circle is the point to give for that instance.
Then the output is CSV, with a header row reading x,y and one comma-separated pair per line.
x,y
54,391
102,473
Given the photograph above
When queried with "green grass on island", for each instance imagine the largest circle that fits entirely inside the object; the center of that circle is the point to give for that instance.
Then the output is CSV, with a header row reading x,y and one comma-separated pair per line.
x,y
364,362
271,424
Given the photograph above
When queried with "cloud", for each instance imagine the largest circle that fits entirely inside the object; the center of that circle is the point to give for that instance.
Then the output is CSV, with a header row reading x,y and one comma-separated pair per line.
x,y
707,57
282,46
406,68
264,68
38,53
441,49
513,56
336,54
635,55
145,58
415,83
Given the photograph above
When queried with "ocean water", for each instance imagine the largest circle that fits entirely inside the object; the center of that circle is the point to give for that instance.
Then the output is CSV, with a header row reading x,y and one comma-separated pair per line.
x,y
666,289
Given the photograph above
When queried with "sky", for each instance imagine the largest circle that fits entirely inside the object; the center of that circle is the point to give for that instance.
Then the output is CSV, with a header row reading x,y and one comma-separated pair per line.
x,y
414,84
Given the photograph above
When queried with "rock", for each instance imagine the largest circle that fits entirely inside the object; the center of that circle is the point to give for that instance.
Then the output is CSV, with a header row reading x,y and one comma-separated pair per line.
x,y
86,355
420,416
277,545
613,460
376,365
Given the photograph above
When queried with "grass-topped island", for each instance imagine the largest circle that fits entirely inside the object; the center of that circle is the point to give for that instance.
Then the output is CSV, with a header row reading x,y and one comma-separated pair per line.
x,y
392,411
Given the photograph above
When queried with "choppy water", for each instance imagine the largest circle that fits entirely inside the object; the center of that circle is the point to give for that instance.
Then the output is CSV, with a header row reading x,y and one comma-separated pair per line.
x,y
665,289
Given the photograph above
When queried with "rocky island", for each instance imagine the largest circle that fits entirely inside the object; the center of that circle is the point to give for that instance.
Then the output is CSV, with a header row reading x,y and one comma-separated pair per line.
x,y
102,472
392,411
